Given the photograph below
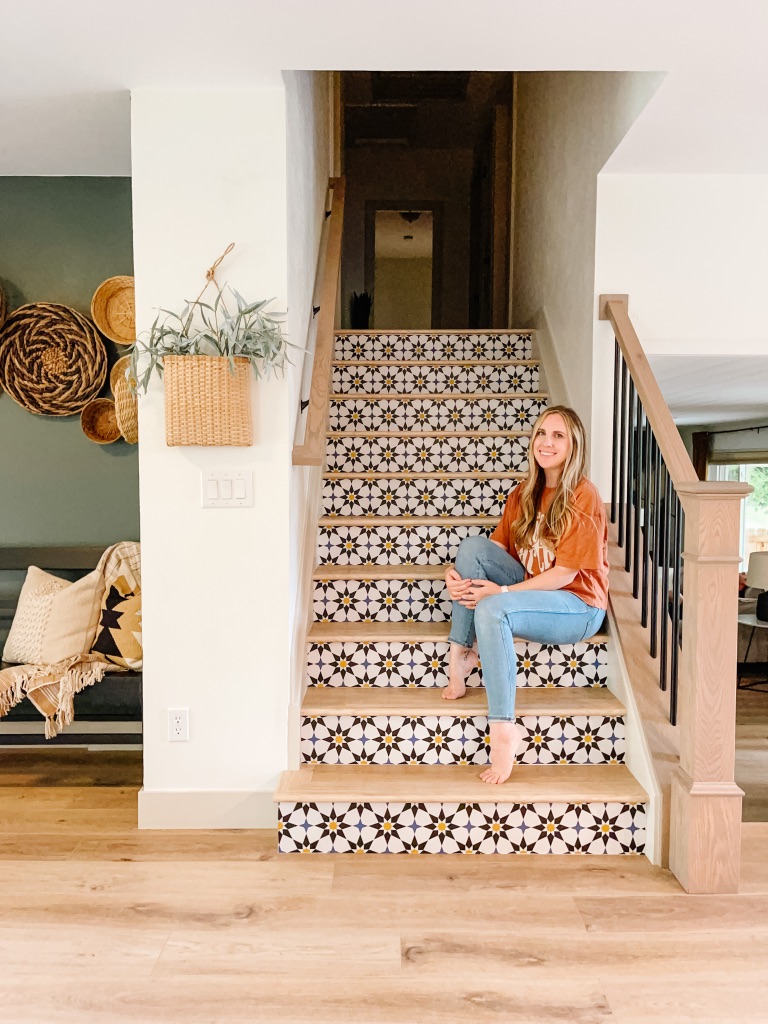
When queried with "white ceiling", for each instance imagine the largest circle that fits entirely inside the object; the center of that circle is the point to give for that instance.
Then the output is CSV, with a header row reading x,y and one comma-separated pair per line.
x,y
67,66
706,390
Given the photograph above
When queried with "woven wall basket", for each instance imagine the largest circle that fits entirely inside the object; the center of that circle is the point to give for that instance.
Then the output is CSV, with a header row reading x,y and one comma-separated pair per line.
x,y
205,403
126,402
99,421
113,308
52,360
3,307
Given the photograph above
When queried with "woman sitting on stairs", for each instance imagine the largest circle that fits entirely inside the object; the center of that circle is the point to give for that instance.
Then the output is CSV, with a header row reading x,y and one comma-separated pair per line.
x,y
542,575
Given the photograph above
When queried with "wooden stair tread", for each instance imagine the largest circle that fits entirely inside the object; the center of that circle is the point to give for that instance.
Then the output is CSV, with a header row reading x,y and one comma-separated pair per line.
x,y
406,632
408,520
562,702
458,784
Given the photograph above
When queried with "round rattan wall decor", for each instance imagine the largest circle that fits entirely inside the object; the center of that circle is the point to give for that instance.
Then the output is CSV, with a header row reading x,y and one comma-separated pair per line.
x,y
113,309
52,360
3,307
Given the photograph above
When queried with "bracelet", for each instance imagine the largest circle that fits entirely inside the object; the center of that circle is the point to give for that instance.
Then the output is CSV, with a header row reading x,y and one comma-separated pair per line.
x,y
505,590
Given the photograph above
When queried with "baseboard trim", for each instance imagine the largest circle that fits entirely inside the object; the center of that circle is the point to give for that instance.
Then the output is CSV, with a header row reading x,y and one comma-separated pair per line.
x,y
206,809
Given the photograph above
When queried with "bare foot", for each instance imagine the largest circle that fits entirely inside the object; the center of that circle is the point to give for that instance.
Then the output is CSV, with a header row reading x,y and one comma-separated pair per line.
x,y
460,663
506,738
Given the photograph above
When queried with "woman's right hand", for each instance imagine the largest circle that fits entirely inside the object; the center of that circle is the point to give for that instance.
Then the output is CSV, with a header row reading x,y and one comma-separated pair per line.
x,y
457,587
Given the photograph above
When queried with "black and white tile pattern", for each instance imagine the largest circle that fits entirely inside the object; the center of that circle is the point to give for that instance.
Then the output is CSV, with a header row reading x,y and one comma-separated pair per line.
x,y
419,414
457,740
428,454
425,663
390,496
427,345
393,545
457,378
542,828
381,601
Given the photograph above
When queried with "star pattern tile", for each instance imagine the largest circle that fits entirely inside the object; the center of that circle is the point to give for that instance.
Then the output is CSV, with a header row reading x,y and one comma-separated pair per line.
x,y
392,545
427,454
459,379
420,414
428,345
396,663
541,828
390,496
457,740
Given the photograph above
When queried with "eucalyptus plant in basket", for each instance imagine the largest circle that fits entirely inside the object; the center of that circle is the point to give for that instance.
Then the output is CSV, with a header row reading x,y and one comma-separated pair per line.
x,y
202,354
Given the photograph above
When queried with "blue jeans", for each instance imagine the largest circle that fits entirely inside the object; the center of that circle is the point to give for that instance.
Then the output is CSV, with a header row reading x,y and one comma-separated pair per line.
x,y
546,616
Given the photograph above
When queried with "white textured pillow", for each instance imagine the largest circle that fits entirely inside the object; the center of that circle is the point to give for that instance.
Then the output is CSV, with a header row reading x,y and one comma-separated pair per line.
x,y
54,619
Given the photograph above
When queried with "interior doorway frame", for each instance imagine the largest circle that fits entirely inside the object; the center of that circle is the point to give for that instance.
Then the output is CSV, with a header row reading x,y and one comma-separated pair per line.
x,y
433,206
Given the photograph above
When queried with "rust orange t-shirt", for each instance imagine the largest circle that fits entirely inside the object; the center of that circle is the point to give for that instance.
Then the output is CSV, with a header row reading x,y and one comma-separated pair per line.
x,y
584,545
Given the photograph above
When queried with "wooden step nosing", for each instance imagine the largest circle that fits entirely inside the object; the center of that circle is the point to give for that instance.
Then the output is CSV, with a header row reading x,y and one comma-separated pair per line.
x,y
473,434
375,704
342,632
408,520
339,474
571,784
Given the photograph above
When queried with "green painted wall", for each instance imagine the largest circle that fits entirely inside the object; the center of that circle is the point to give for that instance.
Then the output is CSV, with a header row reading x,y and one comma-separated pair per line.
x,y
59,239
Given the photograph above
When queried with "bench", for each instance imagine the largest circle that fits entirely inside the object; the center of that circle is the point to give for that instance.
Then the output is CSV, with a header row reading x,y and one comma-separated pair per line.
x,y
105,706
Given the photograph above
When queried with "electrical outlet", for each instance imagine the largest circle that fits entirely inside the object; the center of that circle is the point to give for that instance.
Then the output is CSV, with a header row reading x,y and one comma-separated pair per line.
x,y
178,725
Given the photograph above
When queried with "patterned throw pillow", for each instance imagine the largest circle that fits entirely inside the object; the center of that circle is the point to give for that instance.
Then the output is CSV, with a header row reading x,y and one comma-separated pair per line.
x,y
118,637
54,619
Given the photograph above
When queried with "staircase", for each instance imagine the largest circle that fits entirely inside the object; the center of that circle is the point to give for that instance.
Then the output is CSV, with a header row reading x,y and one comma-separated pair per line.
x,y
428,434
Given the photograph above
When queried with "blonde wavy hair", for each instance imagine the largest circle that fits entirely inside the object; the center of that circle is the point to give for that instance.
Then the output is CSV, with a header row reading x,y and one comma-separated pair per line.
x,y
560,513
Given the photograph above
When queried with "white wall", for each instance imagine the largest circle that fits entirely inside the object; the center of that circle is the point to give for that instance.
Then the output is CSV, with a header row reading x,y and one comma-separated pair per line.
x,y
215,582
403,290
309,166
567,125
690,251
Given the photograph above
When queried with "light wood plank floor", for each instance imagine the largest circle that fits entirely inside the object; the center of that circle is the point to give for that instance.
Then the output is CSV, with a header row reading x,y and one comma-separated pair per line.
x,y
101,923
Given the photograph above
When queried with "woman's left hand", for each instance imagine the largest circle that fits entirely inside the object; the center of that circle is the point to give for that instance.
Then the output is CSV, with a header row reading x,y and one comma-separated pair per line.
x,y
479,590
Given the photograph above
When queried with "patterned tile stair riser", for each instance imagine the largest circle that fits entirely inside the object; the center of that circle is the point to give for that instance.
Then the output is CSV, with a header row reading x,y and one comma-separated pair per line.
x,y
428,454
483,828
444,379
424,664
434,414
430,544
425,497
382,347
457,739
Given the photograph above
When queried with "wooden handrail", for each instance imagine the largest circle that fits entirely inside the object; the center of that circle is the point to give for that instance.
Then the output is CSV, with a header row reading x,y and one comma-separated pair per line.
x,y
705,802
614,308
311,452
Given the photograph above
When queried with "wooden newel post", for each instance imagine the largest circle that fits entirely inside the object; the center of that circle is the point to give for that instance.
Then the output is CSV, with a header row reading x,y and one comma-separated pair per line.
x,y
705,818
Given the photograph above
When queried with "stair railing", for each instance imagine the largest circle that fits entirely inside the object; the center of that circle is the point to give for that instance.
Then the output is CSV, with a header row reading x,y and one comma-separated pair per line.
x,y
311,451
680,538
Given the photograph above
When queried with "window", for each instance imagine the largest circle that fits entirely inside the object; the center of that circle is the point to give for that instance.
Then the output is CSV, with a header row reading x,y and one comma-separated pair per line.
x,y
754,510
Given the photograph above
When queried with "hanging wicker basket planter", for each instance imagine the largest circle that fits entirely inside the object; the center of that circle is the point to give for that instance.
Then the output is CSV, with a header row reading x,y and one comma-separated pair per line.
x,y
52,360
205,402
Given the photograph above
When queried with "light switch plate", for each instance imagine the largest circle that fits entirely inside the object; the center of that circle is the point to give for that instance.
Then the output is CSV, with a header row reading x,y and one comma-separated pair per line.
x,y
237,483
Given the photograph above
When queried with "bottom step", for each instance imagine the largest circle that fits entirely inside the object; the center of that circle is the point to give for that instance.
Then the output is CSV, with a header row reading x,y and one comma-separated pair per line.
x,y
543,810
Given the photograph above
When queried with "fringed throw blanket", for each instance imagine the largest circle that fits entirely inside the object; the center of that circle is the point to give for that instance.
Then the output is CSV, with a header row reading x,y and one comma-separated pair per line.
x,y
52,688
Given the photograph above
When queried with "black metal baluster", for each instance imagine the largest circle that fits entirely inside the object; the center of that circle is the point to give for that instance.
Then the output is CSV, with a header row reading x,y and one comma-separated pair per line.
x,y
676,598
630,473
622,449
664,609
615,453
646,519
638,498
655,558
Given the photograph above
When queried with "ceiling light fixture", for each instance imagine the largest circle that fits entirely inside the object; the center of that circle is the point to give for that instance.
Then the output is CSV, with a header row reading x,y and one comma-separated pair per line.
x,y
409,217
